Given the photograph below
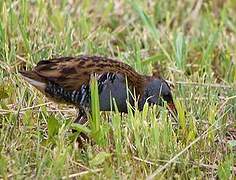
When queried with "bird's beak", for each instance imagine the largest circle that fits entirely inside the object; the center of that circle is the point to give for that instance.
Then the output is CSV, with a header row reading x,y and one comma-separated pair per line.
x,y
172,109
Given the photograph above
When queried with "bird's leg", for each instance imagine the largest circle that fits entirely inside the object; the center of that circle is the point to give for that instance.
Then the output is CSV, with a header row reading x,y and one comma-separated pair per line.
x,y
121,115
81,119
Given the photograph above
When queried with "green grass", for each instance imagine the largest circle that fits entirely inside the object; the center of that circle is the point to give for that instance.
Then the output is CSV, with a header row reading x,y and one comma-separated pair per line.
x,y
193,45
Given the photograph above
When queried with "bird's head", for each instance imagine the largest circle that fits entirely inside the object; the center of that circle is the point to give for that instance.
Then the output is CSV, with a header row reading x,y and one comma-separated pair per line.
x,y
157,91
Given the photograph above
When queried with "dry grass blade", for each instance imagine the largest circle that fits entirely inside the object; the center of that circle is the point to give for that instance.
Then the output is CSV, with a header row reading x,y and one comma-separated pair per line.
x,y
201,84
81,173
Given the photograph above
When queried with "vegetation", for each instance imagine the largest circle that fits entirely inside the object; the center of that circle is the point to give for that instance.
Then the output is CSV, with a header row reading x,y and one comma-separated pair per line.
x,y
193,45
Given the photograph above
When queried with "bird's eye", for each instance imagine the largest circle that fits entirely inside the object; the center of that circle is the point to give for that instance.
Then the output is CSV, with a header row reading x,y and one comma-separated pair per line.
x,y
167,97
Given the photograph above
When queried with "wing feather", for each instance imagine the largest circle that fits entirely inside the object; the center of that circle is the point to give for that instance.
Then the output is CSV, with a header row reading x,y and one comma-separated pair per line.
x,y
73,72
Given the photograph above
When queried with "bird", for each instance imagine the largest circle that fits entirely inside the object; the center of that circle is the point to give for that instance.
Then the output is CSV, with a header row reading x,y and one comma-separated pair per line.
x,y
67,80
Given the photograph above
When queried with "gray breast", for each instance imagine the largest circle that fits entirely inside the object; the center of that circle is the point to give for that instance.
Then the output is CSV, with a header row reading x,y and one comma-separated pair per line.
x,y
114,89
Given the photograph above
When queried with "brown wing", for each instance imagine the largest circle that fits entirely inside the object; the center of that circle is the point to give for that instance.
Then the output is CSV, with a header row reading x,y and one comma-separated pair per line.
x,y
72,72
